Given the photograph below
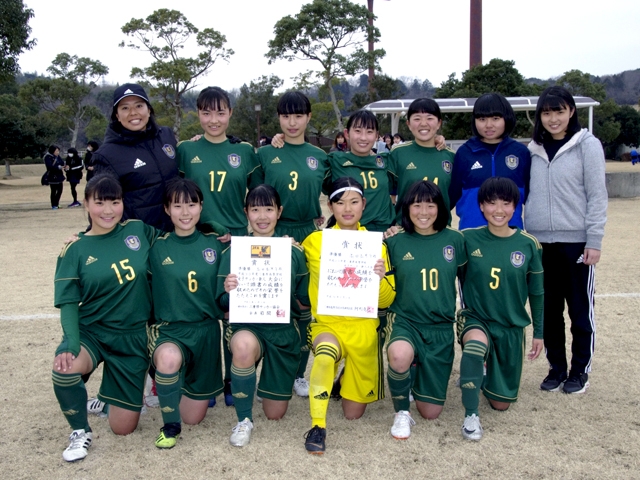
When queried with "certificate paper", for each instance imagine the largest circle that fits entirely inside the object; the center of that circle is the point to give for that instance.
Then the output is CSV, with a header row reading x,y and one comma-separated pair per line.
x,y
263,267
348,286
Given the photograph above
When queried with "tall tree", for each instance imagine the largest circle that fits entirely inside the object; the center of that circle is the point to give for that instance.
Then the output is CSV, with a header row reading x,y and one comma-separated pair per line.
x,y
14,35
244,121
66,95
170,74
332,33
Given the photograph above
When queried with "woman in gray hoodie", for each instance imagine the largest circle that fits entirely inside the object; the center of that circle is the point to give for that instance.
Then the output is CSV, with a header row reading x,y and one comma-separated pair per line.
x,y
566,211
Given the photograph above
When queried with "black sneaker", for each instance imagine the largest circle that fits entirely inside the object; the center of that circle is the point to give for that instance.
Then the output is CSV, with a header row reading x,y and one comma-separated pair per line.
x,y
553,382
314,440
576,383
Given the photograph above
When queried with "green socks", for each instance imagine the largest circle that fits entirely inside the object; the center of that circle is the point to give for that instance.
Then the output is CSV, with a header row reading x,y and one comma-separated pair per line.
x,y
400,385
471,375
243,387
169,388
72,397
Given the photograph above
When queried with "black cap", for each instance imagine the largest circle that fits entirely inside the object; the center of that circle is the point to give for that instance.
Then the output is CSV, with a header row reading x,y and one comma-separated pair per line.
x,y
127,90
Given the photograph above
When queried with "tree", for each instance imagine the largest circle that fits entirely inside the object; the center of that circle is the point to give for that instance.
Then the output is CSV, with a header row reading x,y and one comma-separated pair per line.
x,y
14,35
244,119
172,74
332,33
500,76
66,95
629,120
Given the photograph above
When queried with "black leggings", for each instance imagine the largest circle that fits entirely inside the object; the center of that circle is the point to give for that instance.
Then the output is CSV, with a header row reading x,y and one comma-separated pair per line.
x,y
56,193
74,194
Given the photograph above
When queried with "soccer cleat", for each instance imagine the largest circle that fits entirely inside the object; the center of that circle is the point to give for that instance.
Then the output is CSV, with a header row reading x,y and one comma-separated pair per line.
x,y
74,204
95,406
401,429
228,396
168,435
471,428
79,443
241,433
301,387
553,382
314,440
576,383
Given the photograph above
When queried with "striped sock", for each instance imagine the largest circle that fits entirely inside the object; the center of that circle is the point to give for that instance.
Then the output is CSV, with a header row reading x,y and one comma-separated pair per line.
x,y
169,388
471,374
321,381
72,397
400,386
243,387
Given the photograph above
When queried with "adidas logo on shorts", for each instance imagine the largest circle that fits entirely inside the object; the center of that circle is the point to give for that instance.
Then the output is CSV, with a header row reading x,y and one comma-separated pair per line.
x,y
411,166
167,261
476,253
408,256
276,160
370,394
196,159
476,166
322,396
470,385
90,260
139,163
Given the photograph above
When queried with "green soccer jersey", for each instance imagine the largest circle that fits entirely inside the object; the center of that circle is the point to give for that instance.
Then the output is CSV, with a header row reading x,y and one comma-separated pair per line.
x,y
299,281
184,277
425,269
223,172
296,172
371,171
107,276
501,273
410,162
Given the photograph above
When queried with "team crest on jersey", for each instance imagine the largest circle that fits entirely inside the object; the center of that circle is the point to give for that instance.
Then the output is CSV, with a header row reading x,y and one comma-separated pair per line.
x,y
379,162
169,150
512,161
446,166
210,255
448,253
517,259
234,160
132,242
312,163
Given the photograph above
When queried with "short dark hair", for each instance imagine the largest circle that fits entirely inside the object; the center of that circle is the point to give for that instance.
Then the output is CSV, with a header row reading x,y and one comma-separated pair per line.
x,y
72,150
424,105
213,98
494,105
181,190
294,103
397,135
342,182
52,149
424,191
363,119
95,145
262,196
498,188
556,99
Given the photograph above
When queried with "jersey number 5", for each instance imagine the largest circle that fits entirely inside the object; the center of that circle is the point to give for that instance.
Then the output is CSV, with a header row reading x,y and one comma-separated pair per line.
x,y
494,274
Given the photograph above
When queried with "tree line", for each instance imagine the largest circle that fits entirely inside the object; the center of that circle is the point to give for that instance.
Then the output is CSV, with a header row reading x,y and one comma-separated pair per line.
x,y
70,107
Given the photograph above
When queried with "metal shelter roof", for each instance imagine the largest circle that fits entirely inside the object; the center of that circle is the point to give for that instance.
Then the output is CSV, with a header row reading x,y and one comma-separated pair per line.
x,y
399,108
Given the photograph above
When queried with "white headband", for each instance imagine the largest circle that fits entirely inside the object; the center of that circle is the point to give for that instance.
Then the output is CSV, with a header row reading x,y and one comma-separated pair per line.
x,y
344,189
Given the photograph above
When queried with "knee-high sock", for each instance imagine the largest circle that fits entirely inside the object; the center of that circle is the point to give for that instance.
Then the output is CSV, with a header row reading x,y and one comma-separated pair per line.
x,y
304,348
400,385
321,381
72,397
471,373
169,388
243,387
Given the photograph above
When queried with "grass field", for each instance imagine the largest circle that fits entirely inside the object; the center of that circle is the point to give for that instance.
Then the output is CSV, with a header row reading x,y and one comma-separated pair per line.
x,y
543,435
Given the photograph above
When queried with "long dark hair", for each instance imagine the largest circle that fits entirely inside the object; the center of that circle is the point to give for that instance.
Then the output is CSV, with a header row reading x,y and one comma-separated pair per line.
x,y
102,187
555,99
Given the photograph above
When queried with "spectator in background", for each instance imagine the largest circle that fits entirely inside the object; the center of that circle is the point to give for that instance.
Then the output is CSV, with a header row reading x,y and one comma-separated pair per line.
x,y
397,139
73,167
339,143
89,163
385,143
55,175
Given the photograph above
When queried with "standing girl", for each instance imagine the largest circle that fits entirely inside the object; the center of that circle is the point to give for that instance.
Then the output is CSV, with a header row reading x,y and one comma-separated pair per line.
x,y
504,269
296,171
185,340
104,298
55,175
490,153
278,346
336,337
567,211
420,159
74,168
420,325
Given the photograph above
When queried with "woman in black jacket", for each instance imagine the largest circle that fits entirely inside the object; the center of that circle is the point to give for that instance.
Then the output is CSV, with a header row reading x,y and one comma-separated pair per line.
x,y
55,175
73,167
88,161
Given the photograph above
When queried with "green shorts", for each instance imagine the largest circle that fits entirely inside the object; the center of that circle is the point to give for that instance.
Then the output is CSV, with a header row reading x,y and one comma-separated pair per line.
x,y
433,349
505,356
126,363
199,343
280,353
297,231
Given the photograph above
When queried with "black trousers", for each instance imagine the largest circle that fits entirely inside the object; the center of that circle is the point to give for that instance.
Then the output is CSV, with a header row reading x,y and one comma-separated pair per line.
x,y
567,279
56,193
